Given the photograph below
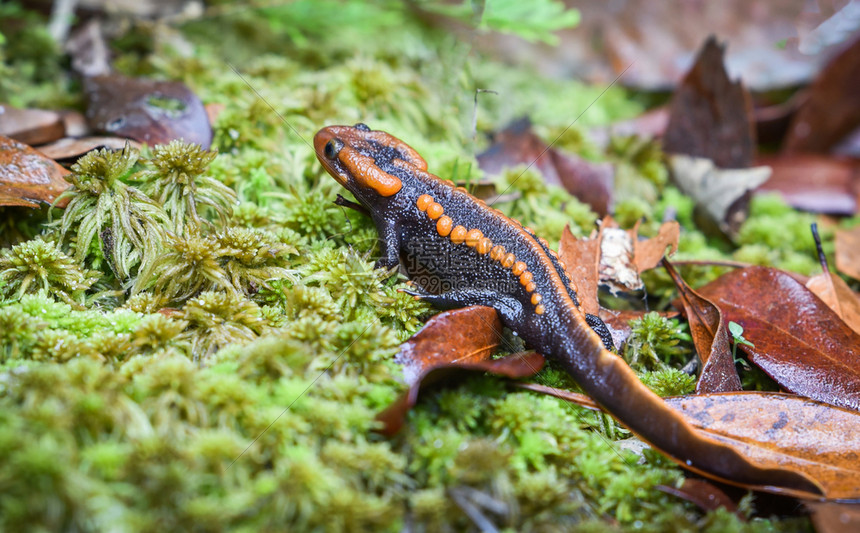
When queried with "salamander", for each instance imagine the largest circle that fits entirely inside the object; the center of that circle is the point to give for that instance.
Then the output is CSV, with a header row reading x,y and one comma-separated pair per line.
x,y
459,252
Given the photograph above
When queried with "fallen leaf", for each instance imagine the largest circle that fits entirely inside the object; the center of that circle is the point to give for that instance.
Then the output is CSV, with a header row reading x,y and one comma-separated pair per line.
x,y
517,145
70,148
613,257
450,344
710,337
817,183
577,398
848,251
31,126
703,494
462,335
835,517
831,109
838,296
798,341
590,182
710,116
581,258
720,194
785,432
648,253
149,111
27,176
773,431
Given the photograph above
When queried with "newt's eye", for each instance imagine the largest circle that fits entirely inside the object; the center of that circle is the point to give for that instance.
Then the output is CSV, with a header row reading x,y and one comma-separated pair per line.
x,y
362,126
332,148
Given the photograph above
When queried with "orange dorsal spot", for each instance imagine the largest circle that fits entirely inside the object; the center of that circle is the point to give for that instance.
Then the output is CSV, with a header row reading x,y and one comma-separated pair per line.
x,y
367,174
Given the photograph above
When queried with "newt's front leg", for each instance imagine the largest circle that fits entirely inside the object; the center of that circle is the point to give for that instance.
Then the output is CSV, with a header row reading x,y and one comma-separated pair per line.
x,y
389,242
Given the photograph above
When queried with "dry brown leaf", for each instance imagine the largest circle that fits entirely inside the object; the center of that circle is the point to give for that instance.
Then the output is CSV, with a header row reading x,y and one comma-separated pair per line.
x,y
711,338
27,176
648,253
783,431
150,111
848,251
710,116
797,340
581,258
832,110
70,148
31,126
838,296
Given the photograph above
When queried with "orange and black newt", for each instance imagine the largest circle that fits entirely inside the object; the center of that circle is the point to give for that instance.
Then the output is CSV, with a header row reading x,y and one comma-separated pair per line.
x,y
462,252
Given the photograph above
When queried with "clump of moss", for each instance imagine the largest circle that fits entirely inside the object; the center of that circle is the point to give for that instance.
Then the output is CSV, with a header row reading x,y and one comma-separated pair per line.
x,y
37,265
179,184
777,235
216,320
236,260
123,222
654,342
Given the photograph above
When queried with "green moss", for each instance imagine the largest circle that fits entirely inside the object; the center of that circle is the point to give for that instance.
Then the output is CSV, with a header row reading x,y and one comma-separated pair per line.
x,y
653,342
236,387
40,265
180,187
127,224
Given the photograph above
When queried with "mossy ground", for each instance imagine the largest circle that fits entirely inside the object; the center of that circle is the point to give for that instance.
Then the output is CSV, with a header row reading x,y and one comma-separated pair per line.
x,y
248,402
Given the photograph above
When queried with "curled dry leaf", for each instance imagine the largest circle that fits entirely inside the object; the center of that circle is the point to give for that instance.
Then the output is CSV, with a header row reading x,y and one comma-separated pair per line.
x,y
582,259
31,126
848,251
773,431
27,176
648,253
613,257
720,194
798,341
70,148
453,342
704,494
710,337
838,296
785,432
149,111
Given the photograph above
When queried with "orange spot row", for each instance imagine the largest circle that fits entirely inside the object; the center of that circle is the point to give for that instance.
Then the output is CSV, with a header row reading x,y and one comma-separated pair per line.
x,y
474,238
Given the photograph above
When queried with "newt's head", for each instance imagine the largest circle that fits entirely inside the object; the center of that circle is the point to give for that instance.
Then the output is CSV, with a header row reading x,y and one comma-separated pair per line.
x,y
365,161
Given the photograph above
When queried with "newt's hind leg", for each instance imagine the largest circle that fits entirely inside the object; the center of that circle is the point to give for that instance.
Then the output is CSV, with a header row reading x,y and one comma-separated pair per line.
x,y
599,327
508,307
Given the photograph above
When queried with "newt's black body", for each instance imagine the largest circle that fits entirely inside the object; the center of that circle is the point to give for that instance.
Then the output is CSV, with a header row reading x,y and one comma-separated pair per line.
x,y
462,252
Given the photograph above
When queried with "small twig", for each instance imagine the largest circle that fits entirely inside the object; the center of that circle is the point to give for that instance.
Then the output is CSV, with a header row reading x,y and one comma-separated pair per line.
x,y
822,259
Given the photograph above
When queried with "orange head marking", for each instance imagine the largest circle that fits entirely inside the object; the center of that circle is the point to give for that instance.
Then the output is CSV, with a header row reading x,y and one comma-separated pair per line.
x,y
344,153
